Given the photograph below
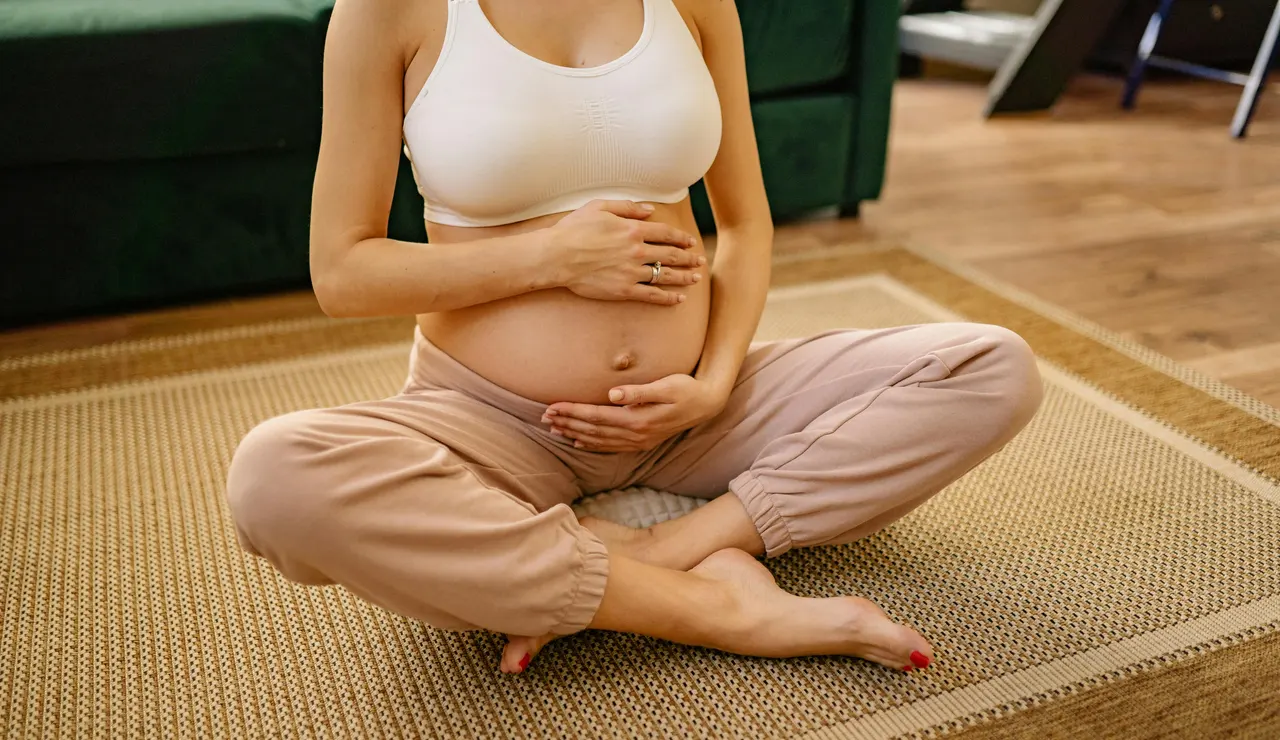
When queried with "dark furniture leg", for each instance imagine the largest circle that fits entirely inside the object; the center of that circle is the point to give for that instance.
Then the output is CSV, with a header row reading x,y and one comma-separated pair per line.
x,y
1145,47
1257,77
1037,71
909,67
1253,83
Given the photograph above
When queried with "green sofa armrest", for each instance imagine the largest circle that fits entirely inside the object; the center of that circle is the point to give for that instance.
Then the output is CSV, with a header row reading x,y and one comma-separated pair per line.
x,y
872,76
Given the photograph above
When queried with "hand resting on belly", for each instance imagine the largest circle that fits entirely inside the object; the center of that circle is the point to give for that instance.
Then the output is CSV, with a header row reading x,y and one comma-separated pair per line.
x,y
600,329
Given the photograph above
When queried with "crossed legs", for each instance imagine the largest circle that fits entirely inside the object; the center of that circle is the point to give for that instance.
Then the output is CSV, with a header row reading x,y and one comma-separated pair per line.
x,y
441,508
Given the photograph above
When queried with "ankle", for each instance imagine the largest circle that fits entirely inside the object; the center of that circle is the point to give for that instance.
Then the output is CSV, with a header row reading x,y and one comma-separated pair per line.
x,y
685,541
662,545
721,620
642,544
676,545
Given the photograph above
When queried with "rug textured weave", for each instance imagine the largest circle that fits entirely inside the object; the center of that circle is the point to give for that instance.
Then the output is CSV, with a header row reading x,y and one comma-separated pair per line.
x,y
1109,539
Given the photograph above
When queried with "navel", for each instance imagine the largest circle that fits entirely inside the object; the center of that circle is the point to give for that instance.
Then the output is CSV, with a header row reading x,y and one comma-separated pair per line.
x,y
624,361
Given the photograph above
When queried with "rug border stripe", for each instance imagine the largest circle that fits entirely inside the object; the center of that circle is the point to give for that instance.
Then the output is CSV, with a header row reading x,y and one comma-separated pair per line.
x,y
1091,329
268,368
1066,675
1262,485
1088,668
1218,423
1172,436
1184,399
1105,336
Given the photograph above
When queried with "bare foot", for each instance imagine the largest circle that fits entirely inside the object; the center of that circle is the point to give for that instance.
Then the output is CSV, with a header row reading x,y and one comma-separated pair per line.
x,y
621,540
777,624
519,651
772,623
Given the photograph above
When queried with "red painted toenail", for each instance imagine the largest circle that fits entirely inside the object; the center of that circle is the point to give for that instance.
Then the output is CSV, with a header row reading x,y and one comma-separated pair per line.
x,y
906,668
524,662
920,659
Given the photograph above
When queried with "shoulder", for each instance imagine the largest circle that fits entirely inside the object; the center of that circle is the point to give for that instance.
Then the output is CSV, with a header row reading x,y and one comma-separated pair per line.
x,y
709,18
403,24
377,10
707,11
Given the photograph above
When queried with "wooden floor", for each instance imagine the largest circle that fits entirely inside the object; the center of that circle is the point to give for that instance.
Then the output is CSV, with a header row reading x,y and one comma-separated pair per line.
x,y
1154,224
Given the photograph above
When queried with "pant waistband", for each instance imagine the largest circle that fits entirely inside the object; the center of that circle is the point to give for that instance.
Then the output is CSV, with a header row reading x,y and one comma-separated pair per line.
x,y
432,367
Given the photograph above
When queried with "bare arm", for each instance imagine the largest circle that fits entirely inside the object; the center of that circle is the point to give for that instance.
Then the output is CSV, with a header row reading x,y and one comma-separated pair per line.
x,y
357,271
740,273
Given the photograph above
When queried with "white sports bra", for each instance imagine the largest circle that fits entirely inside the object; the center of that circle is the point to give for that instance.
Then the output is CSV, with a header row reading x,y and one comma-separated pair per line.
x,y
501,136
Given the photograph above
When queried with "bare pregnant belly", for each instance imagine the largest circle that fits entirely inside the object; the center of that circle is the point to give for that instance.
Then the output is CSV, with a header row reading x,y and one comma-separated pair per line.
x,y
553,345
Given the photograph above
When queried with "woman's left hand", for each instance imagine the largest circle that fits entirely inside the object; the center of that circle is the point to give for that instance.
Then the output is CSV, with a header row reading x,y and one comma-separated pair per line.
x,y
644,416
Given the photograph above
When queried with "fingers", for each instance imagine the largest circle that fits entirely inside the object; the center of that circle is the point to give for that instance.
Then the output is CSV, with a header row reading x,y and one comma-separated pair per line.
x,y
653,294
673,276
673,257
659,233
623,208
611,416
593,444
584,441
584,430
667,276
603,442
601,428
625,395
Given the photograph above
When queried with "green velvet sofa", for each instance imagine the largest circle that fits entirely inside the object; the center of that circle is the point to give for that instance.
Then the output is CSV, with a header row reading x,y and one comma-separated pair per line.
x,y
162,151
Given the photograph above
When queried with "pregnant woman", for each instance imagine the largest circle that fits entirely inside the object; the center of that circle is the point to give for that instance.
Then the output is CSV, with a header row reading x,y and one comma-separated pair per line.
x,y
572,338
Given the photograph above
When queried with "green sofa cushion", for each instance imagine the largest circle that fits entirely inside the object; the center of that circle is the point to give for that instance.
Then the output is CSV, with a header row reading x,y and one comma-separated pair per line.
x,y
101,80
804,155
792,44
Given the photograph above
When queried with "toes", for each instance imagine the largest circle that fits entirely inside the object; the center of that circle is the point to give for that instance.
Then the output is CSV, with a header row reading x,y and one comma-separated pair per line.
x,y
919,653
912,651
883,641
520,651
517,654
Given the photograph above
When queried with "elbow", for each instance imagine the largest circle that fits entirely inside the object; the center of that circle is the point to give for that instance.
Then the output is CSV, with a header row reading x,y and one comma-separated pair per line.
x,y
331,289
749,236
331,298
755,229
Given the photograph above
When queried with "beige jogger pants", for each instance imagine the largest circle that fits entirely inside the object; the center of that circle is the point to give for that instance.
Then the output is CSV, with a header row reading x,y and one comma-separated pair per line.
x,y
449,503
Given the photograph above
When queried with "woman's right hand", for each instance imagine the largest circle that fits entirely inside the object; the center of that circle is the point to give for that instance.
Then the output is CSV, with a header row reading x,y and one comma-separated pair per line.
x,y
603,251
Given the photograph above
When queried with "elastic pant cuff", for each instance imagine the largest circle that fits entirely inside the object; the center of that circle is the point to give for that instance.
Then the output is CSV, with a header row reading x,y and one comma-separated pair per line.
x,y
759,506
588,588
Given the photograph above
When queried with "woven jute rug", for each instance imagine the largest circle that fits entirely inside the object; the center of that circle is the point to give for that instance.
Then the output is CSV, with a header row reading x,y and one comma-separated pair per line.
x,y
1131,532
